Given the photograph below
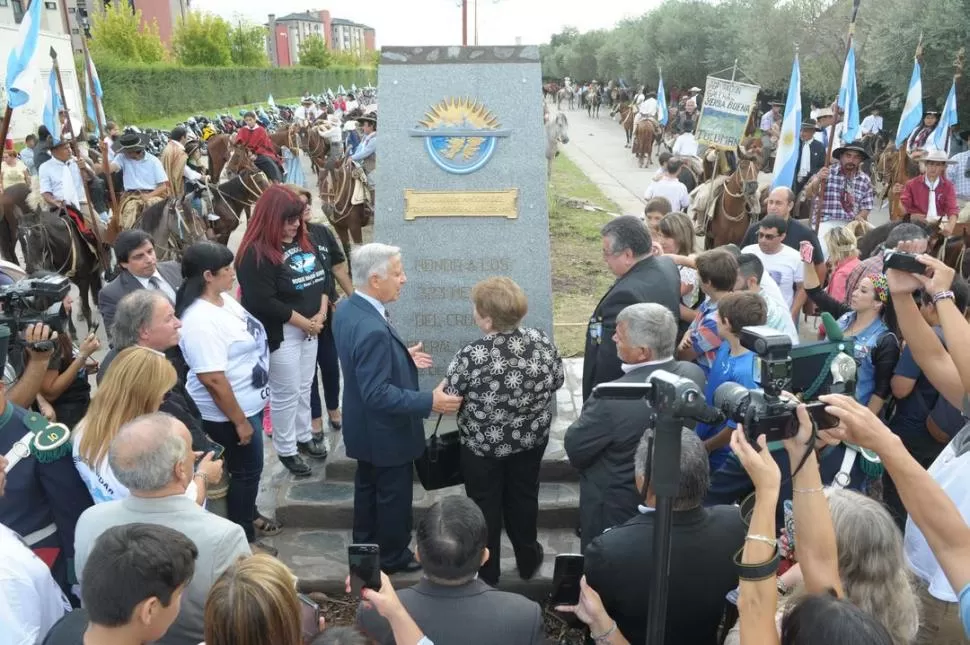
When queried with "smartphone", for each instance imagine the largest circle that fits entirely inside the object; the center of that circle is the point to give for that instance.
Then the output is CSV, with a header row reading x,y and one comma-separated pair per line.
x,y
309,618
565,578
823,420
215,448
95,326
903,262
365,567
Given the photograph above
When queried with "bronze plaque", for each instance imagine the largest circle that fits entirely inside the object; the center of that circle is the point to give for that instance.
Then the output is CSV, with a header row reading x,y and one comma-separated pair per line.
x,y
478,203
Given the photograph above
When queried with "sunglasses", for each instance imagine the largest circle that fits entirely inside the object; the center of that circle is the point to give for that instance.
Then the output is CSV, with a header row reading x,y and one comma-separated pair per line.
x,y
767,236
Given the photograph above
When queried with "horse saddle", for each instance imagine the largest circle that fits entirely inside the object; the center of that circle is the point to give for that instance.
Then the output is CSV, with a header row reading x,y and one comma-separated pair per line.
x,y
75,222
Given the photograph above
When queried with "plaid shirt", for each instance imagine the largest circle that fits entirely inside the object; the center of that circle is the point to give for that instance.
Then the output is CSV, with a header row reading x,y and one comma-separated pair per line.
x,y
957,173
844,198
704,338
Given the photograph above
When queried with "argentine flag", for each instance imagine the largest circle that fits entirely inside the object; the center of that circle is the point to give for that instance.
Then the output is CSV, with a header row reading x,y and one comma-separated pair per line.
x,y
92,85
22,65
786,157
940,137
662,111
849,99
912,114
52,107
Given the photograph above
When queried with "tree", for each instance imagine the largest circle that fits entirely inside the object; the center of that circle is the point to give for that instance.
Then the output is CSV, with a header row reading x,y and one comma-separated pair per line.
x,y
122,35
247,43
202,39
313,52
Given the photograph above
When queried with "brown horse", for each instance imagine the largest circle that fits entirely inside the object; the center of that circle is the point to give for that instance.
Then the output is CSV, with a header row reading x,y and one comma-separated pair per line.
x,y
13,202
626,112
173,227
336,188
735,203
52,244
644,136
231,198
288,137
219,150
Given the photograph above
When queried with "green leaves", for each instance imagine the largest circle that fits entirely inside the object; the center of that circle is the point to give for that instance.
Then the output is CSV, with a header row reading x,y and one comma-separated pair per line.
x,y
313,52
120,35
202,39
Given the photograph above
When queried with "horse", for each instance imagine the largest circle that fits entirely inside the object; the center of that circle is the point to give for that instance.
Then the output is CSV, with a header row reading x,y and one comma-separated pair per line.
x,y
231,198
13,202
288,137
557,131
593,102
873,143
172,231
644,136
336,187
627,114
568,95
52,244
219,151
549,91
735,203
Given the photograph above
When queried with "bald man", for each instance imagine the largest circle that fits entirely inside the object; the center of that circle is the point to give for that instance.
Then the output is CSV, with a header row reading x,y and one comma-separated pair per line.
x,y
781,202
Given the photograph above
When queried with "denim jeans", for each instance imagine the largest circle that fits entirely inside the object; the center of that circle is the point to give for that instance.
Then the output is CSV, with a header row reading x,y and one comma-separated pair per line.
x,y
329,373
244,465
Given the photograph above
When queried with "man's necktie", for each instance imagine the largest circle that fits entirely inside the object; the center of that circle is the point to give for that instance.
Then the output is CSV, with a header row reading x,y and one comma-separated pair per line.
x,y
157,286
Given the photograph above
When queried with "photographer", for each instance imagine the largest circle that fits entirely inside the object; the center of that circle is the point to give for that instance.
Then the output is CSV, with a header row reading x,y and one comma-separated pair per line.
x,y
23,390
66,384
822,615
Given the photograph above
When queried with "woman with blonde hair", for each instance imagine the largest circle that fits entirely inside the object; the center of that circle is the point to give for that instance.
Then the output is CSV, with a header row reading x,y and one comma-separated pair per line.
x,y
843,253
135,385
676,236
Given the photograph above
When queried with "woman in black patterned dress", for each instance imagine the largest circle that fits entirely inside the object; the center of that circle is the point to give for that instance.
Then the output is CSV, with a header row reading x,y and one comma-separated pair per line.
x,y
508,380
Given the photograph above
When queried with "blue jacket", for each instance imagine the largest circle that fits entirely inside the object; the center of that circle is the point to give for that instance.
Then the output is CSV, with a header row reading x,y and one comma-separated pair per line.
x,y
383,409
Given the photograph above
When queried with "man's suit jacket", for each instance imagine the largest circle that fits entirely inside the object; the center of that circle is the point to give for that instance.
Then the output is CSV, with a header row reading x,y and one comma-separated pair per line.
x,y
619,565
817,156
383,410
220,543
125,283
601,444
470,614
653,279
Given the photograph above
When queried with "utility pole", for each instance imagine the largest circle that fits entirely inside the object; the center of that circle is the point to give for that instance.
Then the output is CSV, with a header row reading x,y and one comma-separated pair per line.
x,y
464,23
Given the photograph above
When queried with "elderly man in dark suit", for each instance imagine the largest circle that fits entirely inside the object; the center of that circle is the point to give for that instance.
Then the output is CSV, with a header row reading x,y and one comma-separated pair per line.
x,y
450,604
135,252
383,410
703,540
640,277
601,443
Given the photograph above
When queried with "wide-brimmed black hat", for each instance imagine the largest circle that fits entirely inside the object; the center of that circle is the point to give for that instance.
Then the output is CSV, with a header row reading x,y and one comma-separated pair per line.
x,y
192,146
837,153
130,142
368,118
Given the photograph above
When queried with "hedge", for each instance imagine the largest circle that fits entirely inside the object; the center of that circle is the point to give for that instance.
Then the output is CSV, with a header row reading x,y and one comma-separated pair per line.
x,y
145,92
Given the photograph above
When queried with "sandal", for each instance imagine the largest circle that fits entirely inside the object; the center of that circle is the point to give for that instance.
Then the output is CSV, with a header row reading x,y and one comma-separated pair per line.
x,y
266,526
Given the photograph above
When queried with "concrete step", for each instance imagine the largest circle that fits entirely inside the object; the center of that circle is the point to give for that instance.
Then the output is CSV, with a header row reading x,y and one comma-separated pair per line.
x,y
321,504
319,559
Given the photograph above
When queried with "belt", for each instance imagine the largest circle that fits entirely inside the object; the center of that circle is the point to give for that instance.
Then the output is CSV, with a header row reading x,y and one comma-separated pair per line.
x,y
33,538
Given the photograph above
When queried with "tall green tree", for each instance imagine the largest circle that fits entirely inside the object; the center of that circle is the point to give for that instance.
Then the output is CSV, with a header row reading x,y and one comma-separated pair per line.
x,y
119,35
313,52
247,44
202,39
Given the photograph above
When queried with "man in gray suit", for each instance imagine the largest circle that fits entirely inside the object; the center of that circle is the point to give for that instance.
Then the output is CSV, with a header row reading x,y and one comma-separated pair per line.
x,y
135,253
152,456
450,604
601,443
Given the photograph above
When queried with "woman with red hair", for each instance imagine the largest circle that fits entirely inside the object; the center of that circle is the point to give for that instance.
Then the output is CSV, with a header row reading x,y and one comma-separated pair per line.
x,y
284,282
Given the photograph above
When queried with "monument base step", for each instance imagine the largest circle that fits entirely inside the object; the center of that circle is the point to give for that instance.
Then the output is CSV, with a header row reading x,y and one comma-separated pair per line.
x,y
324,504
319,559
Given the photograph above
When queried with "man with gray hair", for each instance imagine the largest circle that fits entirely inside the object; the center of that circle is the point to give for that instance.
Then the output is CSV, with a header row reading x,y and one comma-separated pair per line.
x,y
146,318
640,277
601,442
383,410
619,563
151,456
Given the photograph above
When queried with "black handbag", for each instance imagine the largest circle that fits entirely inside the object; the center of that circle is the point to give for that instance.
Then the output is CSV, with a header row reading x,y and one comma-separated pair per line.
x,y
440,465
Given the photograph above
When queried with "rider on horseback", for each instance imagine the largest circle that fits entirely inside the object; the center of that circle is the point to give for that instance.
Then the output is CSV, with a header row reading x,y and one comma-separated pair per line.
x,y
257,141
366,153
647,109
144,176
62,187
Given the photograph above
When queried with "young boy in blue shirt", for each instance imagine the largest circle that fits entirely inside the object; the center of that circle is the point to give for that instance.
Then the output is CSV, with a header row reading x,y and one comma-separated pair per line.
x,y
733,362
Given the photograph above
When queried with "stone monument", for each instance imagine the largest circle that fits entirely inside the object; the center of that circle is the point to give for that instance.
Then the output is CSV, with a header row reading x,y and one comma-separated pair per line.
x,y
461,187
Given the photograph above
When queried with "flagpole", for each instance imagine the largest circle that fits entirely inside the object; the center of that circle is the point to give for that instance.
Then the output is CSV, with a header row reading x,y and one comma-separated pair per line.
x,y
823,186
93,218
5,125
105,164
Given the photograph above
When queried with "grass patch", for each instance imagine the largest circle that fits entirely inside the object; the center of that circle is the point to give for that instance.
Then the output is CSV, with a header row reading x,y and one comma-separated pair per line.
x,y
579,275
168,122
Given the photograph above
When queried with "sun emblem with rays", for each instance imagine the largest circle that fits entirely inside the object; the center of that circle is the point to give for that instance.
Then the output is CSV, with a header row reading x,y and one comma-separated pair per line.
x,y
460,134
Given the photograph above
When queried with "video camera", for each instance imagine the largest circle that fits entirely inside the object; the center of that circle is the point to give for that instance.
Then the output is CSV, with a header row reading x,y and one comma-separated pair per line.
x,y
763,411
30,301
664,393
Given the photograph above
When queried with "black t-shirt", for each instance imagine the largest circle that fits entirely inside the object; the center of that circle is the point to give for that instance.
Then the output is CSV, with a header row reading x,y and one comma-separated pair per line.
x,y
797,232
329,252
69,630
78,393
301,279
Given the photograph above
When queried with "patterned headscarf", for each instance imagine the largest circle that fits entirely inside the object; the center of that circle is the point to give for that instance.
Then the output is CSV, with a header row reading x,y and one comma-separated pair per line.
x,y
880,285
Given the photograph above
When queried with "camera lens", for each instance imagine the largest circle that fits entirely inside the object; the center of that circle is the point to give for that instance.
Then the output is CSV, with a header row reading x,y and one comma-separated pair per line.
x,y
732,399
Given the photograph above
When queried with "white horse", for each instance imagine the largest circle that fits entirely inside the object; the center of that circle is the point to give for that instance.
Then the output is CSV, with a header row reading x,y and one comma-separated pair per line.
x,y
557,131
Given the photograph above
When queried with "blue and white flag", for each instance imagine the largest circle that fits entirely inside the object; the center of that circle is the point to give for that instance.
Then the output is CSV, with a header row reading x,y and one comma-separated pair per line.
x,y
662,112
52,108
849,99
940,137
912,114
270,101
92,85
22,64
786,156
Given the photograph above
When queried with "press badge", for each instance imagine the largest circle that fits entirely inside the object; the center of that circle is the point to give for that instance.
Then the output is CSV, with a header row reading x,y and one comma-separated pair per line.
x,y
596,330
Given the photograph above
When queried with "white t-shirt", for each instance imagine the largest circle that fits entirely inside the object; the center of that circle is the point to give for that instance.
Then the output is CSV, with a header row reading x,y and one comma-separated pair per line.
x,y
224,339
952,473
674,191
685,145
100,479
30,600
785,268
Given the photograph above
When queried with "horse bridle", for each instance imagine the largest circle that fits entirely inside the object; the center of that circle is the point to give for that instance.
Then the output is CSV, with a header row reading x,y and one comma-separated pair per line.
x,y
737,173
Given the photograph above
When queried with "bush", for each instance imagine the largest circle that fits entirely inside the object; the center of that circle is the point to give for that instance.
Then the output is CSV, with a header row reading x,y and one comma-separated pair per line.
x,y
145,92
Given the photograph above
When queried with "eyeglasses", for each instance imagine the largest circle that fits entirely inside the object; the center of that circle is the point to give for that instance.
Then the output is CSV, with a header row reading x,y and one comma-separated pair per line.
x,y
767,236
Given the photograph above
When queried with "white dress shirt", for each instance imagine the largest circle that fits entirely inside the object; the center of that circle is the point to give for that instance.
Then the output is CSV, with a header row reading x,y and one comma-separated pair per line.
x,y
685,145
62,179
378,305
872,124
30,600
648,108
931,214
805,164
165,287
